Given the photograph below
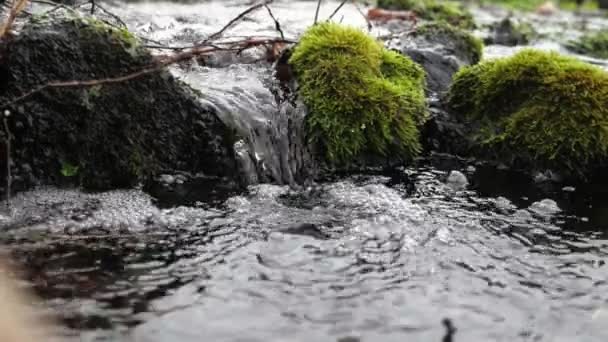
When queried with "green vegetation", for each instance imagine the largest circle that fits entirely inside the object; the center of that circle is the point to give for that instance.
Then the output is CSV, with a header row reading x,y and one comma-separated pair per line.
x,y
464,41
89,27
539,108
69,170
593,44
530,5
433,10
362,98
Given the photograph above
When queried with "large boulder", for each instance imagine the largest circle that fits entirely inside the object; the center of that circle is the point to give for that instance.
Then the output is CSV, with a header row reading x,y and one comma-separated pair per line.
x,y
107,136
441,49
535,110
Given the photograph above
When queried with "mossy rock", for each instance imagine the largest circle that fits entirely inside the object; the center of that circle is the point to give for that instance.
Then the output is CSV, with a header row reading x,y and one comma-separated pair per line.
x,y
536,109
593,44
363,99
107,136
452,12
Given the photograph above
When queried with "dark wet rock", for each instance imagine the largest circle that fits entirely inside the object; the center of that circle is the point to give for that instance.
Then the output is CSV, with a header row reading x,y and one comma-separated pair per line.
x,y
445,133
306,229
603,4
441,49
108,136
509,33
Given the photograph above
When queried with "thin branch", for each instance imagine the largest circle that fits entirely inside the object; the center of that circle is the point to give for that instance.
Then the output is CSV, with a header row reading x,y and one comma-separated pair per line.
x,y
317,12
104,10
18,7
159,65
277,25
337,9
236,19
369,23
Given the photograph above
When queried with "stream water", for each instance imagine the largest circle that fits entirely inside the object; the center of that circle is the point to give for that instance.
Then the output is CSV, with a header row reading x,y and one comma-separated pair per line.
x,y
375,257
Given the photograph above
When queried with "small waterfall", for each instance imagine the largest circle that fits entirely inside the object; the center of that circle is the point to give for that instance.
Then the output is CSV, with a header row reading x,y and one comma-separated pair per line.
x,y
271,147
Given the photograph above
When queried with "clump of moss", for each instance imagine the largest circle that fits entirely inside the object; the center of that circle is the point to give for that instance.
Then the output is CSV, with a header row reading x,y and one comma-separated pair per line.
x,y
530,5
464,42
363,99
92,28
593,44
540,108
433,10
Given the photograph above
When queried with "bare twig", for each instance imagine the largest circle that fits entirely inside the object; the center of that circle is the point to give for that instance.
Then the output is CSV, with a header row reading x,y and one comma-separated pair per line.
x,y
236,19
317,12
18,6
95,5
200,49
337,9
55,6
161,63
369,23
277,25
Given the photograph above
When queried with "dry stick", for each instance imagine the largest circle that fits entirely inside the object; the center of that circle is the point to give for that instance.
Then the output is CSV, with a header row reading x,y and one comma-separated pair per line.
x,y
233,21
337,9
317,12
178,57
18,6
369,23
194,51
95,5
277,25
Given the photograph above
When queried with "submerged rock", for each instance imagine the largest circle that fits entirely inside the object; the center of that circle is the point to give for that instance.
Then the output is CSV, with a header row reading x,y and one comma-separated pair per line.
x,y
536,110
364,100
508,32
107,136
441,49
457,180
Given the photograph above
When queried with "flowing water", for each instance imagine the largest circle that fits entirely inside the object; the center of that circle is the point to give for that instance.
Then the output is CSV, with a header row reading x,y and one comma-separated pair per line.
x,y
376,257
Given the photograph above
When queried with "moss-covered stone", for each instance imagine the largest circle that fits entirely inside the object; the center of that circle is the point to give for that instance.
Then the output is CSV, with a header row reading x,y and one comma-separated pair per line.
x,y
362,98
538,109
114,135
452,12
593,44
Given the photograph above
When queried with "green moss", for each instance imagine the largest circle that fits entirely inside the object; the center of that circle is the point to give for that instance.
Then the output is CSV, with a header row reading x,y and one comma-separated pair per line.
x,y
94,27
464,41
452,12
540,108
530,5
362,98
593,44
